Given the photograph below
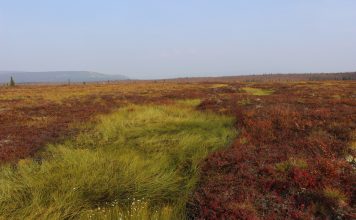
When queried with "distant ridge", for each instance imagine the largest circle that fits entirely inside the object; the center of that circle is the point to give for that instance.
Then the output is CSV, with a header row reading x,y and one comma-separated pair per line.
x,y
273,77
57,76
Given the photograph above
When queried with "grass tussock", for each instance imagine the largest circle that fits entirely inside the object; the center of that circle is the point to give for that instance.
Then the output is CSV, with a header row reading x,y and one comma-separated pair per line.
x,y
290,164
257,92
334,194
218,85
140,162
244,102
190,103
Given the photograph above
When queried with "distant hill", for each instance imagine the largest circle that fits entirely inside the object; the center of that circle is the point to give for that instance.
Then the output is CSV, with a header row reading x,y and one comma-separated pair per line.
x,y
272,77
57,76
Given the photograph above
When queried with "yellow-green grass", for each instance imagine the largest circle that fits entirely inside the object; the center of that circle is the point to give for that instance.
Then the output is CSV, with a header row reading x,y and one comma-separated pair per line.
x,y
334,194
291,163
218,85
244,102
189,102
140,162
257,92
58,93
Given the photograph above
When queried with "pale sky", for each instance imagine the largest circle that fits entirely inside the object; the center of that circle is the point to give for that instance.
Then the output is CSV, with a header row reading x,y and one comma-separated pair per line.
x,y
181,38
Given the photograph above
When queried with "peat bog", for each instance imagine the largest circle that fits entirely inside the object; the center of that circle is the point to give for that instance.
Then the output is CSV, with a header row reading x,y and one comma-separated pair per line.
x,y
228,149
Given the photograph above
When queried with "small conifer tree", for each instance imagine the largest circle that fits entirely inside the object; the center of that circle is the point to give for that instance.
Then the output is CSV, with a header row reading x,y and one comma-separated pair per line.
x,y
12,82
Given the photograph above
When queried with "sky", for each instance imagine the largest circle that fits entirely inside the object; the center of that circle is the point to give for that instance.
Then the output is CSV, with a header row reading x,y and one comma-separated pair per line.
x,y
178,38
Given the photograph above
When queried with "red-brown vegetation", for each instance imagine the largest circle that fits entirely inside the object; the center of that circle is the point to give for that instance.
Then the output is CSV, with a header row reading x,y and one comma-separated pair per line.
x,y
288,161
31,116
289,155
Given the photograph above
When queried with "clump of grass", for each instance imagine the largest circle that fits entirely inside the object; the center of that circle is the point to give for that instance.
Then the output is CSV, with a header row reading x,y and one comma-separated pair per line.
x,y
351,155
353,145
244,102
218,85
353,140
334,195
243,140
140,162
336,96
189,102
257,92
287,165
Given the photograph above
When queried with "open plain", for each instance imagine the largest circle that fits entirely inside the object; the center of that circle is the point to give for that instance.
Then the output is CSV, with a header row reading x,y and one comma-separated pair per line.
x,y
217,149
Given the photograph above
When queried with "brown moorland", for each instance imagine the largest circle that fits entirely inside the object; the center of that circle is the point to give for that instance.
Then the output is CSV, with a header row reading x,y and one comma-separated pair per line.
x,y
33,115
293,157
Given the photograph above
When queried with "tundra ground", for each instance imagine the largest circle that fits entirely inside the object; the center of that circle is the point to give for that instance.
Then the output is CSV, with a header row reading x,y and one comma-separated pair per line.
x,y
293,156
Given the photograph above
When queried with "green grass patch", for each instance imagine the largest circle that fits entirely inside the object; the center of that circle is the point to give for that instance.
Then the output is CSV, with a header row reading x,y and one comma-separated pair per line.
x,y
140,162
336,96
218,85
189,102
334,195
285,166
257,92
244,102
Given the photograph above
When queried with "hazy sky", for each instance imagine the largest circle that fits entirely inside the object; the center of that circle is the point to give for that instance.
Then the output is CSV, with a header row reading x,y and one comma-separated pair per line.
x,y
166,38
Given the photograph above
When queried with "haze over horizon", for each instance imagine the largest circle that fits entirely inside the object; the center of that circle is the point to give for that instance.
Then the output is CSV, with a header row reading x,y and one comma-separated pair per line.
x,y
167,39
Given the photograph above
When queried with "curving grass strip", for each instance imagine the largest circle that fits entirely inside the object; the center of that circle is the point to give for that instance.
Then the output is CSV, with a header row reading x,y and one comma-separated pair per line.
x,y
140,162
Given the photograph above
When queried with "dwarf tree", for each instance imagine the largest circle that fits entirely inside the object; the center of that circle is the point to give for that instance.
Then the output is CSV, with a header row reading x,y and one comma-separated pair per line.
x,y
12,82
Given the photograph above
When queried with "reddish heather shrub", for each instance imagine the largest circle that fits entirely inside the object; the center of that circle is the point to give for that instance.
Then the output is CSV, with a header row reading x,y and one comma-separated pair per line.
x,y
292,145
